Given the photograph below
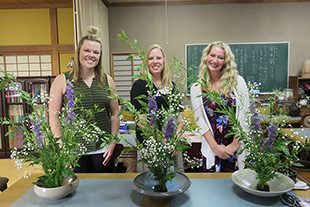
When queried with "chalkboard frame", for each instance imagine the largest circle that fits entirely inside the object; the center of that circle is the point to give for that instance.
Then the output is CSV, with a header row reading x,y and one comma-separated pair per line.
x,y
285,54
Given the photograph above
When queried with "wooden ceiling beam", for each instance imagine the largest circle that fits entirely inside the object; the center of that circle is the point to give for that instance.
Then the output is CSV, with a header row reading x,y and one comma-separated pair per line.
x,y
106,3
35,6
162,3
36,48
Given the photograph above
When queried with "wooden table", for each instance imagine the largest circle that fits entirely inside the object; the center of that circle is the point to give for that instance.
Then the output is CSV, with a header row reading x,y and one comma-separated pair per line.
x,y
9,196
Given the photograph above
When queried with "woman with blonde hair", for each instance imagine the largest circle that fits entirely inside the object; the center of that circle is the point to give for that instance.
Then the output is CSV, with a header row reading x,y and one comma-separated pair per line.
x,y
164,77
218,73
93,84
157,66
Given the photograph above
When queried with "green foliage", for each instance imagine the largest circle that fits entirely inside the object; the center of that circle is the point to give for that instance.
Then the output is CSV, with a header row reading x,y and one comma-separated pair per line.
x,y
268,150
273,108
7,80
159,152
56,156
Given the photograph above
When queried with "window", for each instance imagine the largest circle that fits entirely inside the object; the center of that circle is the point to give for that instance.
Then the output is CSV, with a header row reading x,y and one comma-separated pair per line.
x,y
27,65
122,71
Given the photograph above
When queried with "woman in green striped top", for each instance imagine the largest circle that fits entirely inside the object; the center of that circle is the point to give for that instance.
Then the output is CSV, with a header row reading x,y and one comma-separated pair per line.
x,y
89,80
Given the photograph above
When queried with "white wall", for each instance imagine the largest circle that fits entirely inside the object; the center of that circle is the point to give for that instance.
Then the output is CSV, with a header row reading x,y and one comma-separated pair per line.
x,y
232,23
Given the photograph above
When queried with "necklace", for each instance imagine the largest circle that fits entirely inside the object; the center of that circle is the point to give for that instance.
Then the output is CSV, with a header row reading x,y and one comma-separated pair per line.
x,y
158,86
162,89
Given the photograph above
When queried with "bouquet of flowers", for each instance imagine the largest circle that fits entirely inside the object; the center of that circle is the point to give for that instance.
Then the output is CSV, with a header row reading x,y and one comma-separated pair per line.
x,y
40,147
162,144
268,149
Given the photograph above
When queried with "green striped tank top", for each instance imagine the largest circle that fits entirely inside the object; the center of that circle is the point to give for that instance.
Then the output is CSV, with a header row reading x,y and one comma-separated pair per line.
x,y
90,96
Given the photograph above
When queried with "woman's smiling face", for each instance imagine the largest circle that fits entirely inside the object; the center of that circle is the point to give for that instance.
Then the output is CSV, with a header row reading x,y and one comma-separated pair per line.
x,y
216,59
156,61
90,54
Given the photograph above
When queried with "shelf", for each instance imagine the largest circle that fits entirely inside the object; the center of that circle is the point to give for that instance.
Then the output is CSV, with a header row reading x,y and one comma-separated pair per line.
x,y
19,103
12,106
295,82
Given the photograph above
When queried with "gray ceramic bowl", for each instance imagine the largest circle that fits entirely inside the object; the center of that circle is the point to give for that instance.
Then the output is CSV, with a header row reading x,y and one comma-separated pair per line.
x,y
144,184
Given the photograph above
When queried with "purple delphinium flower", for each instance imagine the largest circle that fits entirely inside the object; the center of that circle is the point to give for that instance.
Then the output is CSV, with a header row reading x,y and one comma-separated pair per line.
x,y
255,121
272,131
69,95
36,128
165,163
262,148
152,108
270,147
70,117
169,128
70,98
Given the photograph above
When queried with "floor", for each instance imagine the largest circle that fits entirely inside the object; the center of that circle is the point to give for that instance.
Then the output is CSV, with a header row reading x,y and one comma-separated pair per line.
x,y
9,170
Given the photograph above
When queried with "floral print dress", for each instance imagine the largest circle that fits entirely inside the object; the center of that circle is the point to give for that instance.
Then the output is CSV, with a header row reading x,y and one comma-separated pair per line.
x,y
220,125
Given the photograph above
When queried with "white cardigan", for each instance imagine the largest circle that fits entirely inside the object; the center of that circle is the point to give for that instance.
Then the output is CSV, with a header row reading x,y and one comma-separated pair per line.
x,y
202,121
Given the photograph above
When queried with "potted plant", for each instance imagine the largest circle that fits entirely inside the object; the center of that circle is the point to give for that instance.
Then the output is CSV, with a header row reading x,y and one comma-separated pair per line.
x,y
161,146
40,147
268,150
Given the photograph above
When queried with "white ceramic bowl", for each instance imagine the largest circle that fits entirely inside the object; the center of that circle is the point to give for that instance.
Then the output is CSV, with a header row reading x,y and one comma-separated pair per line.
x,y
57,192
246,180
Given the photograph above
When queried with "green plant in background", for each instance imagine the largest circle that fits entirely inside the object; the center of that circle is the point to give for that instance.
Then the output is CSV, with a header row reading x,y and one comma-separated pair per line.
x,y
268,149
161,146
273,107
6,80
40,147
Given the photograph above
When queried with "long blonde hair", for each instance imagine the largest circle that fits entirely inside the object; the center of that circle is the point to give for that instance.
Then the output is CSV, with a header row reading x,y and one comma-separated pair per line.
x,y
99,72
229,71
165,74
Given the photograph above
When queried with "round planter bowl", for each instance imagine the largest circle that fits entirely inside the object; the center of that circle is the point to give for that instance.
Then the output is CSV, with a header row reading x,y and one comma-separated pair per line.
x,y
144,184
57,192
246,180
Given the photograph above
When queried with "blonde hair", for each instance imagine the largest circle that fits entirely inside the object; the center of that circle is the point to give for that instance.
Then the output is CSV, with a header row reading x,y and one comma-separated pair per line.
x,y
165,74
99,72
229,71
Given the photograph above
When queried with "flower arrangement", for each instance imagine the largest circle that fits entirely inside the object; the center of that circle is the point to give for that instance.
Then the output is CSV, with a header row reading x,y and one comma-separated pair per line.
x,y
269,151
40,147
161,146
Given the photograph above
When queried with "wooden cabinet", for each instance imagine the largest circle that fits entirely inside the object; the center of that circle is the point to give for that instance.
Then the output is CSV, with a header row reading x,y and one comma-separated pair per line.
x,y
2,144
14,107
296,82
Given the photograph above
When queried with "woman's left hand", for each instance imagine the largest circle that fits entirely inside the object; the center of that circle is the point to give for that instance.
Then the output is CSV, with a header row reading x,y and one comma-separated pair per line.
x,y
234,146
108,153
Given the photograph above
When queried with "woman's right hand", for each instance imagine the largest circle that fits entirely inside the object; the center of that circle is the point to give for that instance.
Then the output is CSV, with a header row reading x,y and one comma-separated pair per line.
x,y
220,150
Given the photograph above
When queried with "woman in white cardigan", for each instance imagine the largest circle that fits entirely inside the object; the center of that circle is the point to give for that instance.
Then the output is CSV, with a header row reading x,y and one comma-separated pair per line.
x,y
218,73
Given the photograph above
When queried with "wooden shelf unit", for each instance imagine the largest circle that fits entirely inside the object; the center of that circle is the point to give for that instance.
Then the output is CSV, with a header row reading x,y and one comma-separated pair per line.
x,y
14,107
294,82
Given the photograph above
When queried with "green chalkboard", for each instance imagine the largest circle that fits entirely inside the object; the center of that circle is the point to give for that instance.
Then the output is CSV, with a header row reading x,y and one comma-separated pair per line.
x,y
265,63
